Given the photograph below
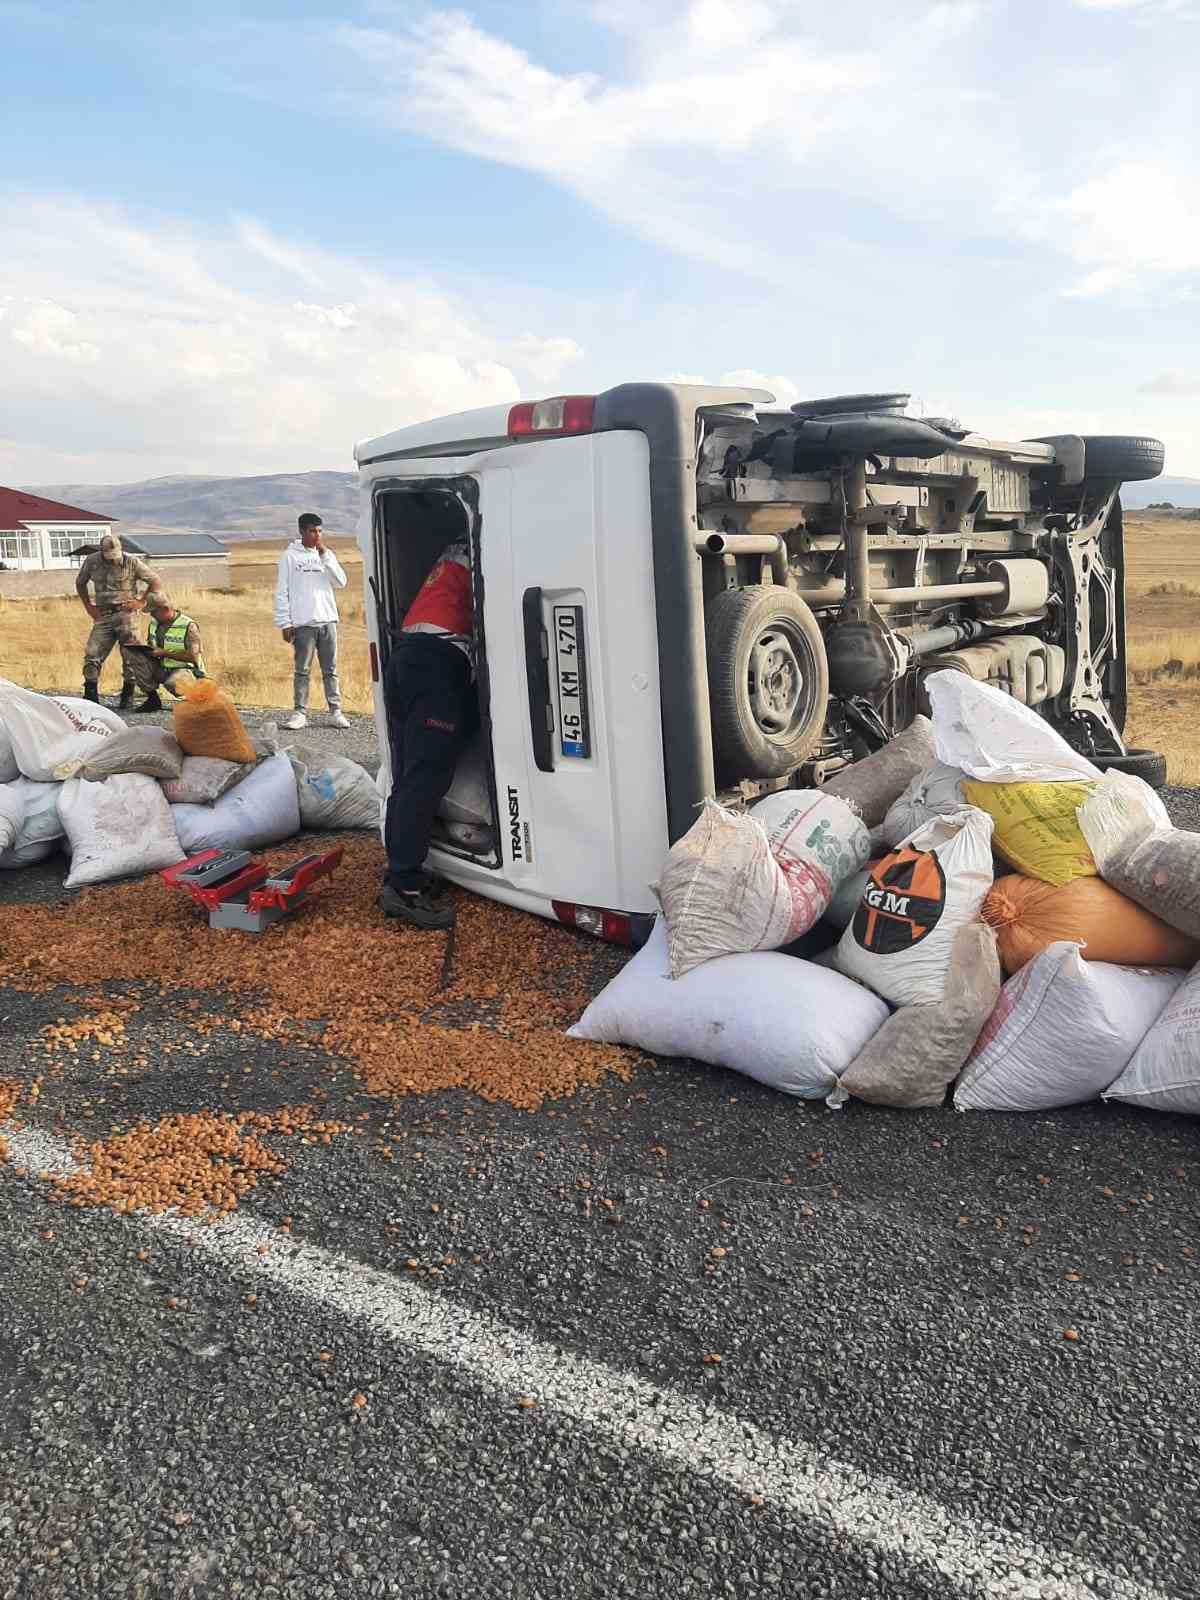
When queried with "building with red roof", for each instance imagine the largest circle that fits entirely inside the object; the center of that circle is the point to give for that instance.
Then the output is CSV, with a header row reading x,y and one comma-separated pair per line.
x,y
36,533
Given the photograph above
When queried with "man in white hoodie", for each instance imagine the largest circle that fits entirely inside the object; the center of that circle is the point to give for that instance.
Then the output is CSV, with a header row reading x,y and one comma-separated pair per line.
x,y
306,611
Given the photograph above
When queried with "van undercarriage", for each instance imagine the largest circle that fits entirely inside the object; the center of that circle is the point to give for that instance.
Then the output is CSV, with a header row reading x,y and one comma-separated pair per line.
x,y
849,549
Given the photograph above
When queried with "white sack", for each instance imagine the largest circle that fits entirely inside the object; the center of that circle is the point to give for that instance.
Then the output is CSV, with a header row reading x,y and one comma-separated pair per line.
x,y
40,830
203,779
9,770
1119,813
333,791
1062,1030
995,738
261,810
468,798
815,837
789,1024
12,813
932,793
1139,852
50,732
737,883
117,829
916,900
1164,1074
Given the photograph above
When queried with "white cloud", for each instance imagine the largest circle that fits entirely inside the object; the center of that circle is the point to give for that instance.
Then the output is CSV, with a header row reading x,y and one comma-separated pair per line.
x,y
784,390
330,316
1171,383
1182,8
654,149
1137,217
739,133
48,329
296,263
146,349
543,359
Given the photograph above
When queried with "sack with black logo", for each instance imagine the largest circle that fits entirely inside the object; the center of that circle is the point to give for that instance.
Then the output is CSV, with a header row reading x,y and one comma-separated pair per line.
x,y
915,901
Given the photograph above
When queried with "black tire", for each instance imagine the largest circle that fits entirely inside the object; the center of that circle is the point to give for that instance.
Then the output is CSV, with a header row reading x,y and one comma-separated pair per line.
x,y
768,682
1123,458
1148,765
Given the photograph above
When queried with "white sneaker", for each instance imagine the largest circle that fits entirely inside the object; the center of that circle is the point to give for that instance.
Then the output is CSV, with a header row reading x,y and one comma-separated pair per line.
x,y
296,720
338,719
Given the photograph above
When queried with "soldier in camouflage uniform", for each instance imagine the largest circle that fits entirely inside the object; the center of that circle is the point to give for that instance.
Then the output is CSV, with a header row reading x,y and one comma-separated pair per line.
x,y
114,576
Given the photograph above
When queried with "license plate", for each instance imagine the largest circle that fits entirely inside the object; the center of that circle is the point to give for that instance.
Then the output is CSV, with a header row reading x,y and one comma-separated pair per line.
x,y
570,658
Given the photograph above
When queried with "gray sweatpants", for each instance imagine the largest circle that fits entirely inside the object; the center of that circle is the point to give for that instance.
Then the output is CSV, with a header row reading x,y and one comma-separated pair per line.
x,y
321,637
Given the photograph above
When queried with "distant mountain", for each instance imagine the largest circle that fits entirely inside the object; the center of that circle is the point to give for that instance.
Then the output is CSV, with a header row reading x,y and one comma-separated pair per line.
x,y
267,507
1179,491
231,508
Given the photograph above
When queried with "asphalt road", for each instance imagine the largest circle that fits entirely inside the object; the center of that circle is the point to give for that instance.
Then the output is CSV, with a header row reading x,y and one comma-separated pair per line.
x,y
529,1411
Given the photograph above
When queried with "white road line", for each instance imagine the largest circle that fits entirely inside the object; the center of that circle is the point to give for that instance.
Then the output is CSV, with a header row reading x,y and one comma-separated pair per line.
x,y
684,1433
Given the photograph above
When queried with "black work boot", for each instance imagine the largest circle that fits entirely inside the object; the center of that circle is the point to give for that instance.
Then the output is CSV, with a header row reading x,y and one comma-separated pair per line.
x,y
150,703
90,692
418,908
126,700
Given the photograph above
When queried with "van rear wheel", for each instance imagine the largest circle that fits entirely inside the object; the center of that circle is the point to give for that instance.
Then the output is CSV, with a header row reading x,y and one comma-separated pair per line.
x,y
768,682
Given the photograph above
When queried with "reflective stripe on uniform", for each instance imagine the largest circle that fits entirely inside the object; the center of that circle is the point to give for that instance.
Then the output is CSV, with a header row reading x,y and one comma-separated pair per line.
x,y
173,639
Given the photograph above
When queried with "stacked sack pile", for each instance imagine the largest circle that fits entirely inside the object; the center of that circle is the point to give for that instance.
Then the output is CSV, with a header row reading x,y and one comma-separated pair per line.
x,y
128,801
975,905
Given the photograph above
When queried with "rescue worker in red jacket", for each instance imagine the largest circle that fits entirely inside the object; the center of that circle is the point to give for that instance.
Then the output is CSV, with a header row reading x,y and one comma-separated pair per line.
x,y
433,709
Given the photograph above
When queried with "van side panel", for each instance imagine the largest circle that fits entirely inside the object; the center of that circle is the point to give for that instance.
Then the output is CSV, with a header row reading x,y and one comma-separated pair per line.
x,y
565,526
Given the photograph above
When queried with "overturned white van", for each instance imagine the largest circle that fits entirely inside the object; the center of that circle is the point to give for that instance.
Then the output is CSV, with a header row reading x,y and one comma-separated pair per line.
x,y
683,590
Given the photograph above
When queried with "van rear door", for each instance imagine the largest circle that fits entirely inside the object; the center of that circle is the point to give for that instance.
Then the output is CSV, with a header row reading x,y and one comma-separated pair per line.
x,y
571,659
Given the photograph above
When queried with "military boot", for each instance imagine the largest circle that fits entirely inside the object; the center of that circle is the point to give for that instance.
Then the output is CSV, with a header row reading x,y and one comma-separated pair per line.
x,y
91,693
126,700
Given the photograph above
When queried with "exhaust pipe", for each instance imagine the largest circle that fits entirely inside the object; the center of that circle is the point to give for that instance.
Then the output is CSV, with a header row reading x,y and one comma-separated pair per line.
x,y
748,544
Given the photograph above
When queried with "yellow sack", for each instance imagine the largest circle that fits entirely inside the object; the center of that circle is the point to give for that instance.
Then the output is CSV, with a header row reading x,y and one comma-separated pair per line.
x,y
207,723
1035,827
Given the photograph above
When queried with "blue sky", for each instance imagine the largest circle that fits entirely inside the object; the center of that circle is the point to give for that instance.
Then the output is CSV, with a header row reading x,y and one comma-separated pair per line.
x,y
236,240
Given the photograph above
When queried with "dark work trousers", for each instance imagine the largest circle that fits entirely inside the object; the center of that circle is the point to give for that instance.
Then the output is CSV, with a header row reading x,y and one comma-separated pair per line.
x,y
432,711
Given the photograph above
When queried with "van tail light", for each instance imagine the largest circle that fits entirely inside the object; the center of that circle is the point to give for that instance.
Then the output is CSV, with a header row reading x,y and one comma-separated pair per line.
x,y
628,928
548,419
374,652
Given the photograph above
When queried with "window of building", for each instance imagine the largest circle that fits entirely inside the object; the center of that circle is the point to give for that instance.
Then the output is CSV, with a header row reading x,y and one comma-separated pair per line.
x,y
19,547
61,544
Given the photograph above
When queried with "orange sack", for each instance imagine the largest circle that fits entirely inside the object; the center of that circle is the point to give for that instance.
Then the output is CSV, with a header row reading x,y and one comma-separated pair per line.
x,y
207,723
1028,915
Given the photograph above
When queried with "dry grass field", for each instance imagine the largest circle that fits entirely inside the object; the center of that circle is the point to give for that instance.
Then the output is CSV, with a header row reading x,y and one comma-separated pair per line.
x,y
1162,577
41,641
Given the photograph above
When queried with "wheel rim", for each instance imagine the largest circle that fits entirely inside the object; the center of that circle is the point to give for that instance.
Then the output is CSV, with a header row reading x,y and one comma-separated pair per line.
x,y
780,676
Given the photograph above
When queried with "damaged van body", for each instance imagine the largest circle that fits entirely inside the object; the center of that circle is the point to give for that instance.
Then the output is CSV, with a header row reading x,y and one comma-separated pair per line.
x,y
683,590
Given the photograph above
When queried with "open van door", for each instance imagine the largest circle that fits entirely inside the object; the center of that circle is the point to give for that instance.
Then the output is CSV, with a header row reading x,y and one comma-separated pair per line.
x,y
567,663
